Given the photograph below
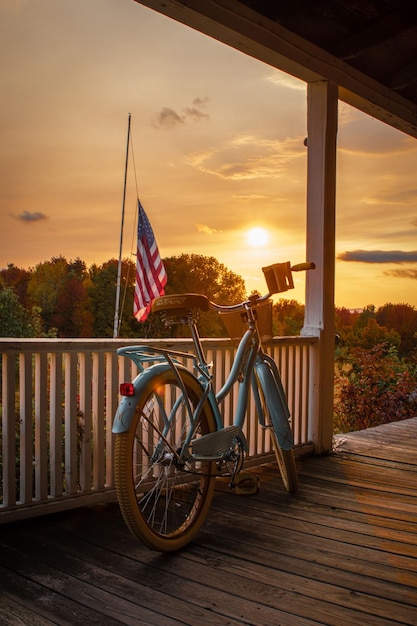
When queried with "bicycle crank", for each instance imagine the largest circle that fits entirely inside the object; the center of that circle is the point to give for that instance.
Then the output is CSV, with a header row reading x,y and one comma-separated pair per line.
x,y
217,446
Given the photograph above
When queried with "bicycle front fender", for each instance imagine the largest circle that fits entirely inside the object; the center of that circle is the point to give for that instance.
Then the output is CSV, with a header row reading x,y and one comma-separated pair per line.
x,y
276,402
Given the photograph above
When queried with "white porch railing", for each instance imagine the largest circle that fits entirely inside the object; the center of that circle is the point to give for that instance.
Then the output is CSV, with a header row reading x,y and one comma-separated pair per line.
x,y
58,399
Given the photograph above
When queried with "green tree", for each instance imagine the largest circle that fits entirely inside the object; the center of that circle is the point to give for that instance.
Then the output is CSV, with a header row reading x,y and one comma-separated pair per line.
x,y
287,317
369,312
44,285
129,326
373,334
102,291
59,289
195,273
15,321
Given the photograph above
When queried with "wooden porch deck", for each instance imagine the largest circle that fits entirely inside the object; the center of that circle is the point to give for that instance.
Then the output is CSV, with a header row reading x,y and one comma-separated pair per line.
x,y
342,551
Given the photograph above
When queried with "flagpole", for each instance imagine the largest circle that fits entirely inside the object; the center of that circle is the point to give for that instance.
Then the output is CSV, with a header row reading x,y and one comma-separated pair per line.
x,y
119,267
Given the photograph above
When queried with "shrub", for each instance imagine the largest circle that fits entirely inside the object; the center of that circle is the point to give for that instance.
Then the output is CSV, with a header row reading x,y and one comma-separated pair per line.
x,y
374,387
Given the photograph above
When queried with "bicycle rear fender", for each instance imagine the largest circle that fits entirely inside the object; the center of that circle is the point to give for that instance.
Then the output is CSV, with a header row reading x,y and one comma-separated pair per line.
x,y
127,406
276,402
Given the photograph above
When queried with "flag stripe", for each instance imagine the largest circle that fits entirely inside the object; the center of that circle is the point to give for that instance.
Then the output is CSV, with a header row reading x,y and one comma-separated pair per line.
x,y
149,271
151,277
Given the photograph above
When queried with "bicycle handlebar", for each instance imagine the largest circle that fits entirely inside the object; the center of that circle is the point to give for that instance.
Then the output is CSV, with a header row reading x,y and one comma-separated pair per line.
x,y
278,278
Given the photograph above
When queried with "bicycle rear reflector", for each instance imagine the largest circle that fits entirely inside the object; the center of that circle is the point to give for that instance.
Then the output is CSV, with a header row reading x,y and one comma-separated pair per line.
x,y
127,389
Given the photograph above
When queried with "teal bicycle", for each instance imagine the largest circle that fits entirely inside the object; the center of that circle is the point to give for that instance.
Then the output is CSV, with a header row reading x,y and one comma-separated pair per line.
x,y
170,439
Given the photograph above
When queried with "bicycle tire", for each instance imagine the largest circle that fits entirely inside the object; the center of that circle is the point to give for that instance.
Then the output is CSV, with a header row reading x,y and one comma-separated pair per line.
x,y
286,464
284,457
163,502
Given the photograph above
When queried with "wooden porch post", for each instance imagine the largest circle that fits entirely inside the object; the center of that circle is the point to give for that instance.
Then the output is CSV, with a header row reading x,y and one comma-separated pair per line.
x,y
322,99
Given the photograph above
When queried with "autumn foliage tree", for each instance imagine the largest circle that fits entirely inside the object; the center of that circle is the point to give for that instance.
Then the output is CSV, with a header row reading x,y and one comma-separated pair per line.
x,y
195,273
376,376
360,330
402,319
59,289
17,279
375,387
287,317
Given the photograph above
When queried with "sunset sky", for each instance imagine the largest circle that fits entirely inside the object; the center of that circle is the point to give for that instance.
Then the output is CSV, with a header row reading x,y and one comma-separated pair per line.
x,y
218,149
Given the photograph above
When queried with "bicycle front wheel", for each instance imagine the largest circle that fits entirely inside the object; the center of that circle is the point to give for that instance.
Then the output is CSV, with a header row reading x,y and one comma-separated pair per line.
x,y
164,495
286,464
285,458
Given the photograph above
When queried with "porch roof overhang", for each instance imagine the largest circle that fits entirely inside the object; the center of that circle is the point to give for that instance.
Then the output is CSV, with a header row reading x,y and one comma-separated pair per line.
x,y
368,47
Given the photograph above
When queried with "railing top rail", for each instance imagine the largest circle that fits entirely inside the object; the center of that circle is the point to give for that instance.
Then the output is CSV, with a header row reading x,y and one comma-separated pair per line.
x,y
14,345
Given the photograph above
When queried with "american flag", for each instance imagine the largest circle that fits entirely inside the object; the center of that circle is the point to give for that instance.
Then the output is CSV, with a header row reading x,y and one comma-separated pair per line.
x,y
151,277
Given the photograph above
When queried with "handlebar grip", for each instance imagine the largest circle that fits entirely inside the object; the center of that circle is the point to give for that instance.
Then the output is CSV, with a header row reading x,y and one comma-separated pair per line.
x,y
300,267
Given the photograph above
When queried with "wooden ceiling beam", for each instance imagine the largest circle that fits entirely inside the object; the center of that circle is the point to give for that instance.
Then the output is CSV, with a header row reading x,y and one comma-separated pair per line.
x,y
404,77
379,32
236,25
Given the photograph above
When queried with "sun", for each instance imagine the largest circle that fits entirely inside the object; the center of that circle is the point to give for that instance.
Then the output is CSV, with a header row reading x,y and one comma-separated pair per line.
x,y
257,237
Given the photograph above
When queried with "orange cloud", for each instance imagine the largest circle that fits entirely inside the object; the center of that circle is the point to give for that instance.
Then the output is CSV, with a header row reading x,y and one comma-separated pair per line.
x,y
169,118
203,228
31,216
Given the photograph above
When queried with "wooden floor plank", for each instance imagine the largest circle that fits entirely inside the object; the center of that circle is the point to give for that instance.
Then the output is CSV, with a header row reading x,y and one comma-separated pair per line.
x,y
249,585
135,587
342,551
38,594
13,612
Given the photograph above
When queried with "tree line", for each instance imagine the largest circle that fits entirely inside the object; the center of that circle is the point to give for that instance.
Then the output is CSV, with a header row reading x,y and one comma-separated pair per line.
x,y
60,298
376,348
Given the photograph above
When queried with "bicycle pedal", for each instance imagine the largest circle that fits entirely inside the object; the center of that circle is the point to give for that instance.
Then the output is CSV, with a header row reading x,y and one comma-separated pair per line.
x,y
214,446
246,484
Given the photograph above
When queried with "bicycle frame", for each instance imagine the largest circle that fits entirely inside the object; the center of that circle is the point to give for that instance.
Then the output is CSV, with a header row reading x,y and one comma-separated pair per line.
x,y
251,364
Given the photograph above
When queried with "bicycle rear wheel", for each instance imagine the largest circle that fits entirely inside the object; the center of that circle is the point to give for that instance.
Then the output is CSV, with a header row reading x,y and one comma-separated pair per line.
x,y
164,495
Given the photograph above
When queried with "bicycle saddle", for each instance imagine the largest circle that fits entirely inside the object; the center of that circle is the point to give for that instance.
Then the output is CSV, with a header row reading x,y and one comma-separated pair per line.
x,y
180,302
